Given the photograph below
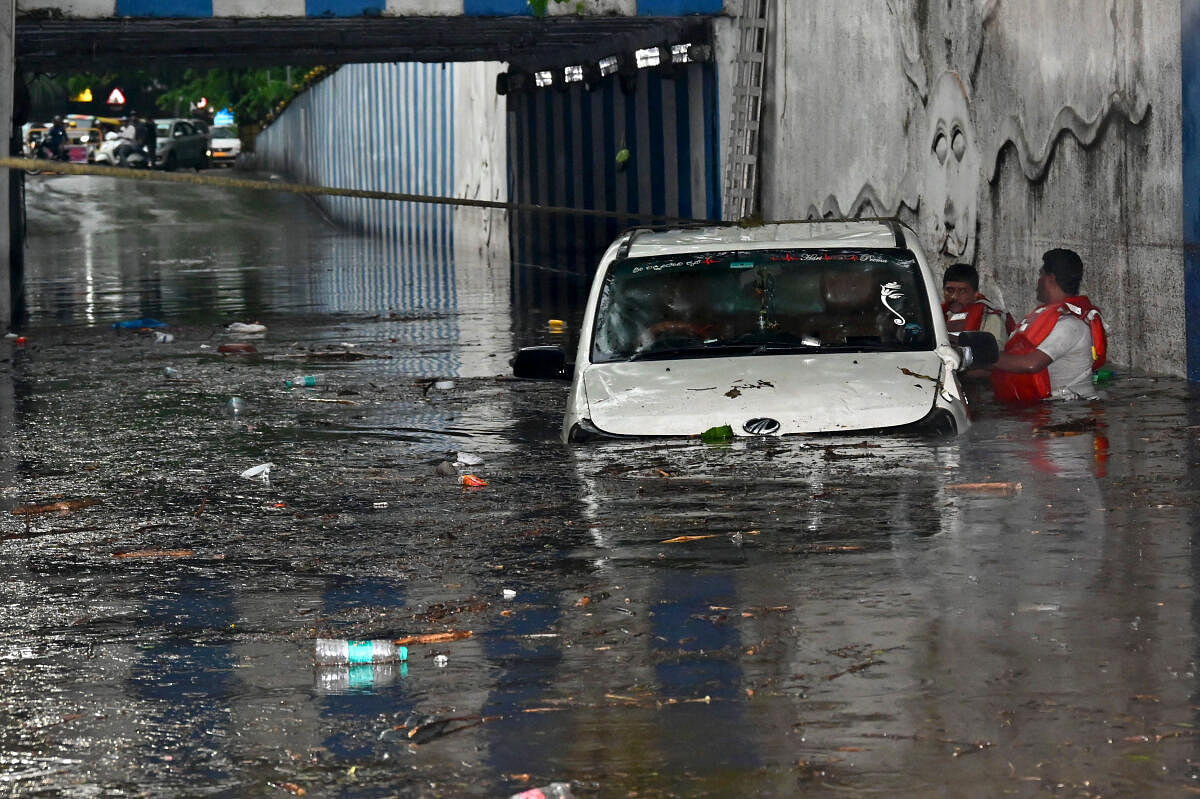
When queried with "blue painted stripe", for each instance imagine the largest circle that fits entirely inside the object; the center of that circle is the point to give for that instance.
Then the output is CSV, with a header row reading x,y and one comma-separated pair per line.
x,y
1190,39
657,166
632,167
608,158
683,143
551,147
164,8
344,8
675,8
493,8
712,141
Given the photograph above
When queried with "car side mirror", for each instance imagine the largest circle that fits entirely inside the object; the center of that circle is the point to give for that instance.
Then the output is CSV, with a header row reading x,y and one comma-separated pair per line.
x,y
547,362
979,349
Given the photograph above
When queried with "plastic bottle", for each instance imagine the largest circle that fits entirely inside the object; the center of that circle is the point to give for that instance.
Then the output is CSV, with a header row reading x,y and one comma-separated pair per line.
x,y
345,678
235,407
302,380
555,790
332,651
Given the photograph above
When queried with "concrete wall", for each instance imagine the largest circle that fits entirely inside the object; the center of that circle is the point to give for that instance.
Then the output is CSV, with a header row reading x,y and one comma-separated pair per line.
x,y
998,130
432,129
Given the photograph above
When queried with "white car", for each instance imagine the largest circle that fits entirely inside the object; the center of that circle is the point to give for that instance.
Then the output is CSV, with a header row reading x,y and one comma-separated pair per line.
x,y
796,327
224,146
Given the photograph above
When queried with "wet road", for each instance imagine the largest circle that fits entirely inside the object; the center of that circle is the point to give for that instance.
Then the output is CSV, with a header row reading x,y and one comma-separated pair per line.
x,y
817,617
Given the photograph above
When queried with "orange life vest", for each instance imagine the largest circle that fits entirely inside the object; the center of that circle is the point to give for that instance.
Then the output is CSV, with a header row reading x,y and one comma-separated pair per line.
x,y
972,316
1034,328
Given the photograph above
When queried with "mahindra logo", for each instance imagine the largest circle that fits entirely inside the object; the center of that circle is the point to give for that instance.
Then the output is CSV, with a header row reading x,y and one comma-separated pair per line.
x,y
761,427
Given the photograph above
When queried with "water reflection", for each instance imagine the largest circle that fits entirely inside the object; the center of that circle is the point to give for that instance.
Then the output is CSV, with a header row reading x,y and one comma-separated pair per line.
x,y
213,256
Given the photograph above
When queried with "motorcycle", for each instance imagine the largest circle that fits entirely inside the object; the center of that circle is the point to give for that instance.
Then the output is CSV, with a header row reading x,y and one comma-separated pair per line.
x,y
42,152
118,151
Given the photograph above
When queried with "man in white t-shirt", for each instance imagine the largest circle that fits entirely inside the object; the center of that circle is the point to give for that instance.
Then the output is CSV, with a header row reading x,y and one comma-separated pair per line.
x,y
1051,354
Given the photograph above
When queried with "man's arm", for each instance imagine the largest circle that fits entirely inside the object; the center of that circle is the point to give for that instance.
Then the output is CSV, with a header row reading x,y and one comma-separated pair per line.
x,y
1026,363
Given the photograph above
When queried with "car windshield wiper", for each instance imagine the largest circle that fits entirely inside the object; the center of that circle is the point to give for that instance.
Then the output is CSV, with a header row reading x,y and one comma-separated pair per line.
x,y
782,348
865,346
707,350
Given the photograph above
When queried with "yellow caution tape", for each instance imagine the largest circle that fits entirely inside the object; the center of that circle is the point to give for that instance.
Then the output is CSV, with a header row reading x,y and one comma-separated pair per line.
x,y
125,173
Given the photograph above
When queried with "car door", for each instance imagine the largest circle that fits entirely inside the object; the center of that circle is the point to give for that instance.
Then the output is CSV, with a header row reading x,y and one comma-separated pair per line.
x,y
184,144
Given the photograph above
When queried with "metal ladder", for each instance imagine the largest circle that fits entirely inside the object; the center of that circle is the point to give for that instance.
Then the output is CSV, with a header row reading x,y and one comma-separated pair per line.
x,y
749,64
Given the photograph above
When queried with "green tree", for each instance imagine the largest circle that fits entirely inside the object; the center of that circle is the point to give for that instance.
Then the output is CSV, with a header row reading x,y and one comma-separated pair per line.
x,y
251,93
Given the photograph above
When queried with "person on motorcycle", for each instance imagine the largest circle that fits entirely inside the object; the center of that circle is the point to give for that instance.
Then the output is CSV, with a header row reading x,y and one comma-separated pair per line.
x,y
56,140
129,140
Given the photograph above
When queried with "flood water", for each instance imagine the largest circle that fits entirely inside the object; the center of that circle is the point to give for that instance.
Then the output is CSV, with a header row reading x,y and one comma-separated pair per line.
x,y
800,617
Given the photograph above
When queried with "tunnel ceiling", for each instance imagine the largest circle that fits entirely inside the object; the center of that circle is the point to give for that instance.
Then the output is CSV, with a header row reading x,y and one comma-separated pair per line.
x,y
66,45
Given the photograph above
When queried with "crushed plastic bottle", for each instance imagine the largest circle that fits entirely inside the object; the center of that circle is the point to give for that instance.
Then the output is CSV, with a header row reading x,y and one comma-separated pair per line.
x,y
301,380
245,328
172,373
235,407
555,790
335,651
261,472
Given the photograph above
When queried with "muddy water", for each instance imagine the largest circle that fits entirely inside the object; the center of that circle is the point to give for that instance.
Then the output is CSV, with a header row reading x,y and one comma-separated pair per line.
x,y
824,617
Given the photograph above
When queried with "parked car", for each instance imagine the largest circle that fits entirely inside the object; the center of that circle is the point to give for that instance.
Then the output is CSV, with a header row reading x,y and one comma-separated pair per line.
x,y
798,327
224,146
180,145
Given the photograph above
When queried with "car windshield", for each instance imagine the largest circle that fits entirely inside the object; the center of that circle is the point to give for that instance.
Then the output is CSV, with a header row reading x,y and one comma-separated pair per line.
x,y
224,133
760,302
162,128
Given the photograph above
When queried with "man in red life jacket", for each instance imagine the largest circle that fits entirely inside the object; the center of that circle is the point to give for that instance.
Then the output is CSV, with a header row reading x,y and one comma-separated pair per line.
x,y
1057,346
966,309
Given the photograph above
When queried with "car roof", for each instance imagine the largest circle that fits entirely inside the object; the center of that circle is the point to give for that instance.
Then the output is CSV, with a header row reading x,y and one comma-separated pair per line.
x,y
874,233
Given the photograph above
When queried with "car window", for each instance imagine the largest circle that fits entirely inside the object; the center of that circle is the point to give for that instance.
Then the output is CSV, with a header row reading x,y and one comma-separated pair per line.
x,y
163,129
184,128
224,133
762,301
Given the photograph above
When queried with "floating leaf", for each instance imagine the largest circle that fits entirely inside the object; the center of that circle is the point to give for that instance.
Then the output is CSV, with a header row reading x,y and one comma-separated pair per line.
x,y
717,435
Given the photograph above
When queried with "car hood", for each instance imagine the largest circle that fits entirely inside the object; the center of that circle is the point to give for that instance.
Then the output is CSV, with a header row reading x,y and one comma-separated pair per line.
x,y
804,393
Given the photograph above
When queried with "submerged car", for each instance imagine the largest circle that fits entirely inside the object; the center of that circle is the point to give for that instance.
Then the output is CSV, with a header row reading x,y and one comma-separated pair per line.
x,y
786,328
